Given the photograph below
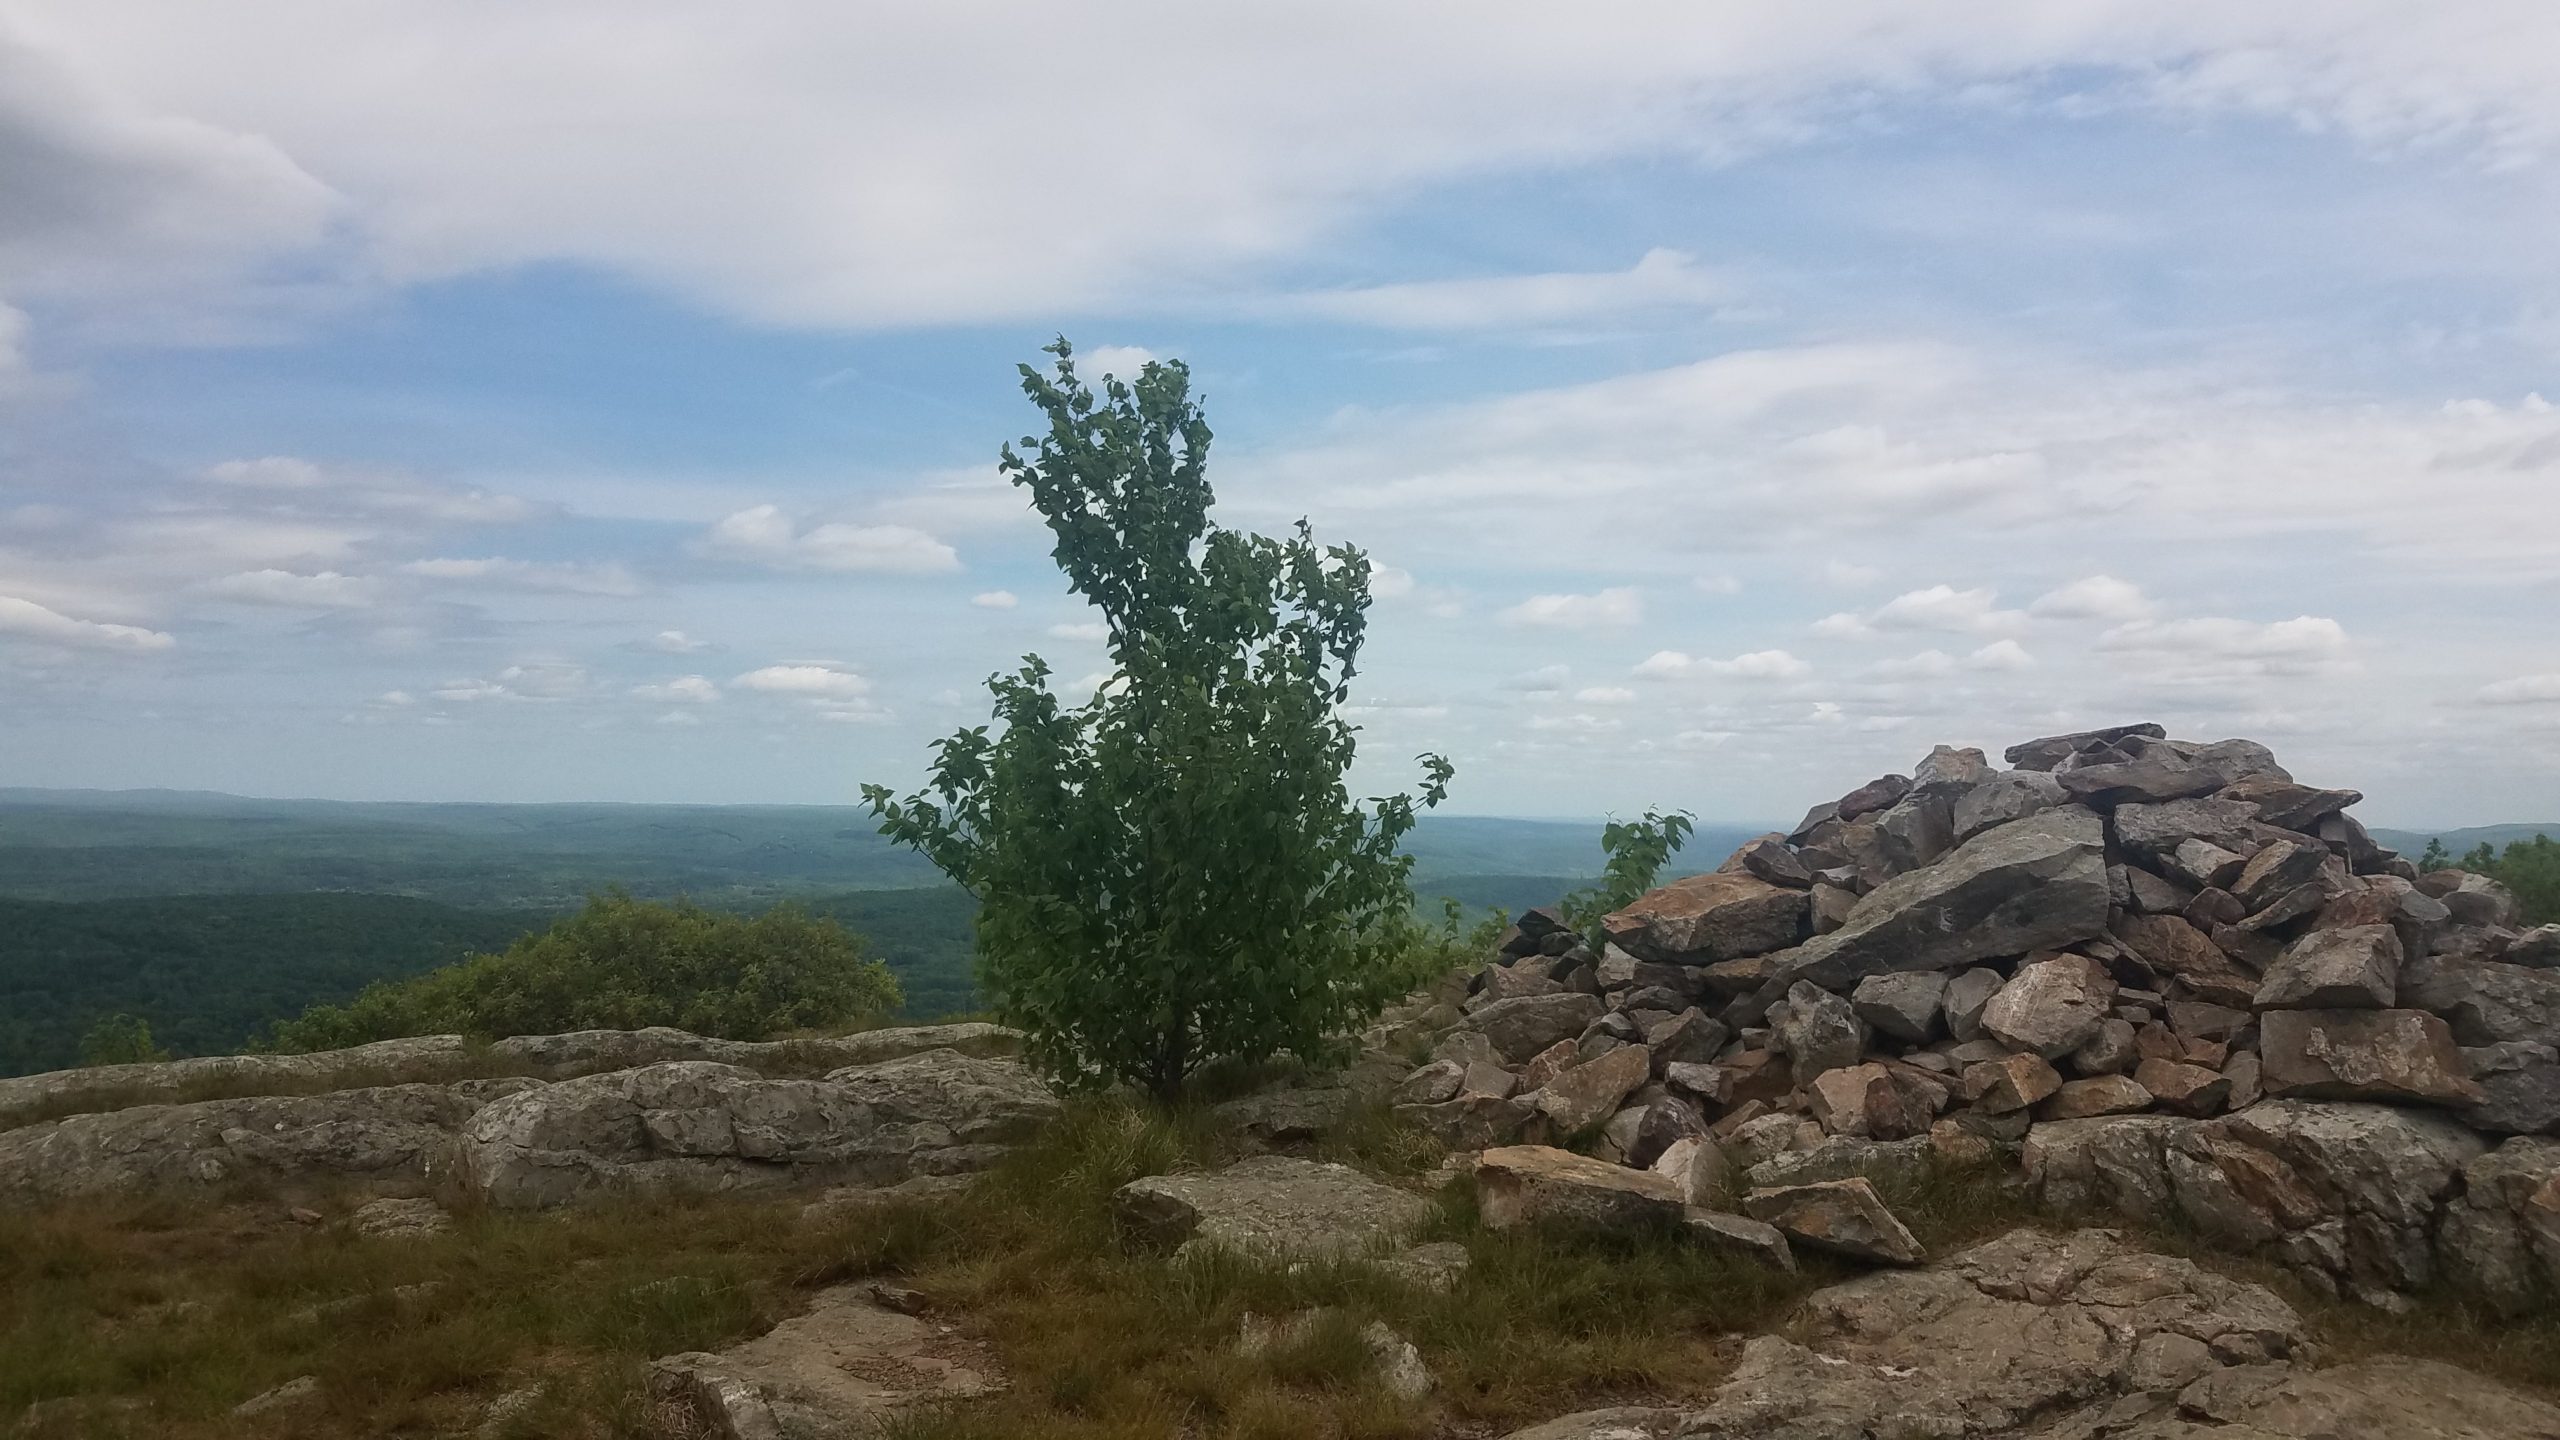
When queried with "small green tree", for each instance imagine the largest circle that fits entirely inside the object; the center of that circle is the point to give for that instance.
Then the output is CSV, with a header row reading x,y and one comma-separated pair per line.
x,y
1173,872
119,1040
1636,851
2435,857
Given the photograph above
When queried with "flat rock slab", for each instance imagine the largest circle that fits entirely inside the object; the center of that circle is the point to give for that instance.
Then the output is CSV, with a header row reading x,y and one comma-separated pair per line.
x,y
1270,1205
1528,1184
837,1371
392,1137
697,1126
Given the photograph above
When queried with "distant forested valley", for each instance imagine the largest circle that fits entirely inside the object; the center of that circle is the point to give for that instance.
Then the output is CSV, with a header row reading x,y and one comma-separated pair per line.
x,y
210,917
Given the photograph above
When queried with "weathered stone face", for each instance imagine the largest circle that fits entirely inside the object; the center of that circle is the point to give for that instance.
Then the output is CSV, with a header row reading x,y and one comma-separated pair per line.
x,y
1846,1217
1818,1031
1274,1206
2051,750
1521,1028
2357,967
2363,1055
1530,1184
1722,915
1906,1005
2050,1007
2035,883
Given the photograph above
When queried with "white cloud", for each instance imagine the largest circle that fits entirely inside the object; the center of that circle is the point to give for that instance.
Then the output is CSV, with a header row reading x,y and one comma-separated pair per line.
x,y
1662,280
327,590
181,131
1716,585
28,620
2212,647
1386,582
1545,680
764,535
995,600
1756,665
1121,362
674,642
679,718
1943,607
1842,626
2099,597
2522,690
685,689
822,681
1850,576
1577,723
536,680
1604,695
2001,655
563,577
1093,630
1927,665
396,699
1614,608
272,472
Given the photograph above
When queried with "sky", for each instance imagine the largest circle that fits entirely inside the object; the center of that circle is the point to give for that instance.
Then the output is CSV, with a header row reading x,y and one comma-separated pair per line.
x,y
553,400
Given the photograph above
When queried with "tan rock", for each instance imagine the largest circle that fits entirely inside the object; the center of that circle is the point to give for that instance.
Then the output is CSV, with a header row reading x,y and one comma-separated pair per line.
x,y
1846,1217
1529,1184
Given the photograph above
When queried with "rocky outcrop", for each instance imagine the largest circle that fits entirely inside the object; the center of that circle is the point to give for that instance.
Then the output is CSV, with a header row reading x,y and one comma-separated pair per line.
x,y
2183,978
397,1138
698,1126
2066,1336
444,1059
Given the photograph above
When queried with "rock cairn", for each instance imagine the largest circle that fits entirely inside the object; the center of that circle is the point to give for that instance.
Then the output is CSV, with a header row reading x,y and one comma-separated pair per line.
x,y
2164,975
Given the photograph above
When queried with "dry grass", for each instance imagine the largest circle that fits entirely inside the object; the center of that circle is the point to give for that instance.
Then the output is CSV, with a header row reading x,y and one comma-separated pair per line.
x,y
190,1309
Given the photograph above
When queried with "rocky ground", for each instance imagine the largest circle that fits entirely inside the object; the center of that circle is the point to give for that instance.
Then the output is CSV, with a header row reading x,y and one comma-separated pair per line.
x,y
1751,1158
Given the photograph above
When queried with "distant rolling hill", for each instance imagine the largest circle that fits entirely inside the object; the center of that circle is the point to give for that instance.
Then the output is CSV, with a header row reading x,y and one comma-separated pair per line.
x,y
2413,843
212,915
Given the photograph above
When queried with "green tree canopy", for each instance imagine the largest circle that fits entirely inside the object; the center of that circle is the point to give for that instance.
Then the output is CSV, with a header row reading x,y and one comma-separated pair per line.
x,y
622,964
1173,872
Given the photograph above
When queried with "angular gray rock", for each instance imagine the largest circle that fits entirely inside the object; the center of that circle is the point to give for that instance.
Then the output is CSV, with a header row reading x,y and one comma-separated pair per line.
x,y
1844,1217
2005,796
1581,1098
1906,1005
2051,1007
1721,915
841,1368
2500,1236
1533,1184
1818,1031
1270,1206
2519,1084
2154,832
1968,991
2046,752
2485,1001
2356,967
1754,1240
2030,884
2363,1055
1521,1028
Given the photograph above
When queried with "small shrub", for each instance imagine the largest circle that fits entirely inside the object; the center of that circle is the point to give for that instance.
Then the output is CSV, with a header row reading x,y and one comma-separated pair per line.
x,y
120,1040
1636,850
623,964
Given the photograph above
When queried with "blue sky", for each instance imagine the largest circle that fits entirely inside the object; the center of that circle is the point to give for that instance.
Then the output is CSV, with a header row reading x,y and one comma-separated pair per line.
x,y
575,400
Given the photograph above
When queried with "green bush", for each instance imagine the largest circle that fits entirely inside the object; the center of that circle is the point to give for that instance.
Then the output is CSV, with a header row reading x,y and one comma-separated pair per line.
x,y
621,964
119,1040
1636,851
1174,872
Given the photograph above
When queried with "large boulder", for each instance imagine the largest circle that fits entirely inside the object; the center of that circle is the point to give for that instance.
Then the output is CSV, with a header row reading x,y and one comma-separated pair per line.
x,y
2353,967
2347,1194
2046,752
2051,1007
844,1367
2500,1238
2031,884
1722,915
1520,1028
1271,1206
2485,1001
1844,1217
389,1137
1529,1184
1582,1098
690,1126
2363,1055
2002,797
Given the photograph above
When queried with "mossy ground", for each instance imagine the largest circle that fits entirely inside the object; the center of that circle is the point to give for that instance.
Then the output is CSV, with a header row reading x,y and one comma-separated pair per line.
x,y
191,1308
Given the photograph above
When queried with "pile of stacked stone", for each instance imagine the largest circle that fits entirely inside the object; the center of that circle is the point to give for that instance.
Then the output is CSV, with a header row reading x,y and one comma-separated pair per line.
x,y
2118,925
